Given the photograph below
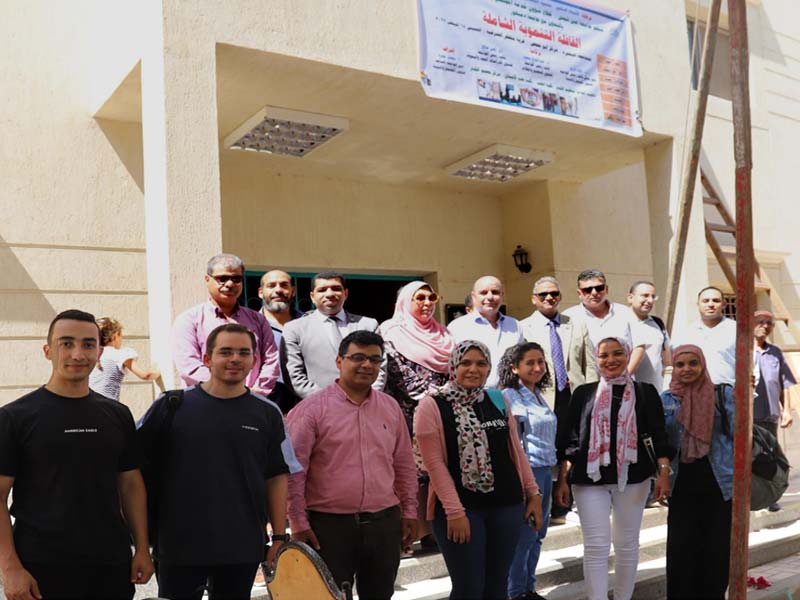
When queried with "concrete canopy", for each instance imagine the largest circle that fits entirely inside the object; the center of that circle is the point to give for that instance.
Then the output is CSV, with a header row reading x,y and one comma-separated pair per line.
x,y
397,135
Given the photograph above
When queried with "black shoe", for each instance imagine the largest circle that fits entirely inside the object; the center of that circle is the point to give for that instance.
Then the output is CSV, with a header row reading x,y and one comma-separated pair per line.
x,y
774,507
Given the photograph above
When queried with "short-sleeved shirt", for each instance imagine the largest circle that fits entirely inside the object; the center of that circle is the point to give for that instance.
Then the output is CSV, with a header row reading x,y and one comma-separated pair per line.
x,y
655,341
106,379
65,455
475,327
212,506
507,487
538,425
616,323
718,344
773,375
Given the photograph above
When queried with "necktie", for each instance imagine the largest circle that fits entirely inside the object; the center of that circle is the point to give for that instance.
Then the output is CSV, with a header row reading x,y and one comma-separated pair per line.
x,y
557,354
336,335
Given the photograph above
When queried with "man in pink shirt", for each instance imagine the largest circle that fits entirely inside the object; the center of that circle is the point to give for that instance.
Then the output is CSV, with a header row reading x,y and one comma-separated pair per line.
x,y
356,499
224,280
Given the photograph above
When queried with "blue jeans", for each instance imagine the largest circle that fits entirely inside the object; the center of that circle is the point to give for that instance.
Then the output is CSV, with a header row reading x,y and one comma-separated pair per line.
x,y
479,569
522,576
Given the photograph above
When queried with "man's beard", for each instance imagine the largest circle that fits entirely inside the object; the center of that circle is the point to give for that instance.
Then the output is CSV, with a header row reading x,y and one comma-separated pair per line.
x,y
277,306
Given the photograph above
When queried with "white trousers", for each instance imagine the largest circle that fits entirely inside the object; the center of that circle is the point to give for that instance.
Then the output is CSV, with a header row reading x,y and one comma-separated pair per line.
x,y
608,515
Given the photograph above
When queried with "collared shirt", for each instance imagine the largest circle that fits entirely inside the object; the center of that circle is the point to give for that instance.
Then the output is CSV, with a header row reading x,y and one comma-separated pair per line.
x,y
718,344
538,424
190,332
357,458
655,341
773,376
474,327
616,323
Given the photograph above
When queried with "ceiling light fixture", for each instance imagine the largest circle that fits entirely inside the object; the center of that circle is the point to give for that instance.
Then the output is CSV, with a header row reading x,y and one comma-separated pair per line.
x,y
499,163
282,131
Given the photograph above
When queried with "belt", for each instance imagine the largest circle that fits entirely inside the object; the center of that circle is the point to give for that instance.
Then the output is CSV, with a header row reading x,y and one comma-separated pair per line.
x,y
362,518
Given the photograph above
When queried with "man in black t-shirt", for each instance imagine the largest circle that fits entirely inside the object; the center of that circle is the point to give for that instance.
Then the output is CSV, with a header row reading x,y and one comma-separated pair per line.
x,y
71,457
222,475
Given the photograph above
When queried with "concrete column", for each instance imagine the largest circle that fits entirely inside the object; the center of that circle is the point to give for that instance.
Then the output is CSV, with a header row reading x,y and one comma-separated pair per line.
x,y
181,170
663,171
526,221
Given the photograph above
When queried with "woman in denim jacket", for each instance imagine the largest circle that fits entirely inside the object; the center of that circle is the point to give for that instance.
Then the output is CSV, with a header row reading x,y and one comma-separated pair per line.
x,y
699,523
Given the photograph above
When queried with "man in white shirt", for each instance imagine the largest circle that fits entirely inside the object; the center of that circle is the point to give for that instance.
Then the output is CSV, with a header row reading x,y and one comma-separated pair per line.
x,y
714,334
602,317
487,324
651,332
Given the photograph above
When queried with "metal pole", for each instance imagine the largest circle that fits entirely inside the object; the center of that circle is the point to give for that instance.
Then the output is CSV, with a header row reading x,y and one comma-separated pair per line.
x,y
745,301
692,160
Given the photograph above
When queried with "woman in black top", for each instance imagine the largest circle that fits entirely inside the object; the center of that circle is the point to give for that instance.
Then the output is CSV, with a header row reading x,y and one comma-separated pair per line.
x,y
611,424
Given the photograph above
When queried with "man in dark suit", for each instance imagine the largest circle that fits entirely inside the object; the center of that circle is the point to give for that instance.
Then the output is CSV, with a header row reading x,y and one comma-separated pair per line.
x,y
310,344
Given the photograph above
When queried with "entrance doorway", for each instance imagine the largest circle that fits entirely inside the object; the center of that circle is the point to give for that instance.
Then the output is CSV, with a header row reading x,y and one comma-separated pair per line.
x,y
369,295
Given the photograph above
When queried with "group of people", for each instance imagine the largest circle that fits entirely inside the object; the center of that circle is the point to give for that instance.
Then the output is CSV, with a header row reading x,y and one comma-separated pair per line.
x,y
367,437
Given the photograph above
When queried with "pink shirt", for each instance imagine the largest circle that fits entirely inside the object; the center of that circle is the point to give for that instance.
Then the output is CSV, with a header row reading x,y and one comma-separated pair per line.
x,y
429,433
356,458
191,329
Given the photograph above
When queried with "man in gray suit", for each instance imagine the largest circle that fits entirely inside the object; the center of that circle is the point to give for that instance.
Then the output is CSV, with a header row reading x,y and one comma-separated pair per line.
x,y
569,356
310,344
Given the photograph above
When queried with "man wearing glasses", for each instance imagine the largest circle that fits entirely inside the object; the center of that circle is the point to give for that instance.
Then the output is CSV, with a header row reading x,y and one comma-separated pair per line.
x,y
569,357
224,280
355,501
602,317
220,453
652,332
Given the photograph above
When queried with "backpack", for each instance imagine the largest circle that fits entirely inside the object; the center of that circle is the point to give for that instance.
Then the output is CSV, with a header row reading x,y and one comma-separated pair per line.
x,y
770,469
152,469
663,329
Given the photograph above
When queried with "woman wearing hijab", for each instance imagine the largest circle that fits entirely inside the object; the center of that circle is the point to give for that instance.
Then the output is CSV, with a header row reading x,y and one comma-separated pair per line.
x,y
482,486
699,521
417,352
612,426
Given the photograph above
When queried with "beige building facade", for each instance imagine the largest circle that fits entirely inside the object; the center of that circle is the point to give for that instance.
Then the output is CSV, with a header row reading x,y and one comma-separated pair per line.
x,y
118,183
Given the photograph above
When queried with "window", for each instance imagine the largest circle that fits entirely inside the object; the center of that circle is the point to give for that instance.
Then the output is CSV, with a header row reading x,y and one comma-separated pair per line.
x,y
720,85
730,306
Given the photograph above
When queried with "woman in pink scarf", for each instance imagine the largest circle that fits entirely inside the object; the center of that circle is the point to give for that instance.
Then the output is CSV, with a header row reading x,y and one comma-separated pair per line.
x,y
699,521
610,425
418,349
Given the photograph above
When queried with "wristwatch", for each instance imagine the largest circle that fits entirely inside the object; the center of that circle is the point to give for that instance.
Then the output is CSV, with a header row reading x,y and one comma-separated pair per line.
x,y
279,537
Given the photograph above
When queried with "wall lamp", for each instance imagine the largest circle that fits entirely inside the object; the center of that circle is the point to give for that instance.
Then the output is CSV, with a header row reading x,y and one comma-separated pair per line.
x,y
521,260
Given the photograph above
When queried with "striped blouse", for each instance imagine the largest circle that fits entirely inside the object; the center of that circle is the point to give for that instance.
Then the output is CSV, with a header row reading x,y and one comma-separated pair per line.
x,y
537,425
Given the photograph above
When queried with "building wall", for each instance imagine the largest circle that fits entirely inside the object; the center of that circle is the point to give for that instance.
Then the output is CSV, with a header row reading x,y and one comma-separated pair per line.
x,y
72,234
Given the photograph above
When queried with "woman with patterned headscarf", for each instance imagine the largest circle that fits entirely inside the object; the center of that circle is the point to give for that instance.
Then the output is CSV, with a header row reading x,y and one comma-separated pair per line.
x,y
699,521
616,444
417,350
482,486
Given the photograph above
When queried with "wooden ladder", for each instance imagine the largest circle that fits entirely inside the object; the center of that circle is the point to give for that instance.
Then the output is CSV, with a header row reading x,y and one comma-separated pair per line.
x,y
728,226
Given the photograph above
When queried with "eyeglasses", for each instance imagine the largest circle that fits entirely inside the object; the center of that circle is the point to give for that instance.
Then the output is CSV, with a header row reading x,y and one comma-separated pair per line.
x,y
375,359
229,352
422,298
223,279
543,295
593,288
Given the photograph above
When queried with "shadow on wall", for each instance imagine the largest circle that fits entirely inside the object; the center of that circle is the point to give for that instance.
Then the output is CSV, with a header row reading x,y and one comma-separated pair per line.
x,y
126,140
21,299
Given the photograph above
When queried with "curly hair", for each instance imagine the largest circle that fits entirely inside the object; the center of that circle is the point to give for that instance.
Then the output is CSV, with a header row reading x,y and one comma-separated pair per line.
x,y
512,357
108,327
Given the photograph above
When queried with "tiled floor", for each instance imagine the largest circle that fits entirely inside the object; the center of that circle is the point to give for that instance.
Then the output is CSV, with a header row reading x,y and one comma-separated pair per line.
x,y
780,569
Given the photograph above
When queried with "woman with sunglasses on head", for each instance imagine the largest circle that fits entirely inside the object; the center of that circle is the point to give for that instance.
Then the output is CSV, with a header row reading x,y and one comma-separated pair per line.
x,y
482,487
523,375
417,349
699,521
616,444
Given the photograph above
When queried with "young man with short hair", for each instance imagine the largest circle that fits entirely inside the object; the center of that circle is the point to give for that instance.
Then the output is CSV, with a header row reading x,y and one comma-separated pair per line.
x,y
223,472
70,456
356,500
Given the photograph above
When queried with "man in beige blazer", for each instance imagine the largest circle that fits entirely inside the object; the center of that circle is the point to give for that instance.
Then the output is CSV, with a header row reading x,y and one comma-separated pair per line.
x,y
579,362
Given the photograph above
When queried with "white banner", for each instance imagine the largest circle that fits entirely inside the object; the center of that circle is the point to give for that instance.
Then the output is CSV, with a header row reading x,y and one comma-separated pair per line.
x,y
562,60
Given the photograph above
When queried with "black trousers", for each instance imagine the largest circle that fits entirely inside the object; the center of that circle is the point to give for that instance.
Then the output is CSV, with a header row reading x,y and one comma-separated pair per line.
x,y
78,582
698,535
561,408
370,552
187,582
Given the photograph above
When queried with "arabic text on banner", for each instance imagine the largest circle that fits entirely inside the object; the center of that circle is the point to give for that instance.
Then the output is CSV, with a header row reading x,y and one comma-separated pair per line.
x,y
563,60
